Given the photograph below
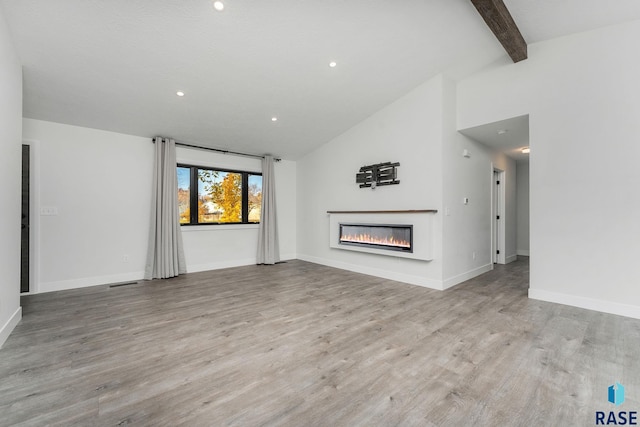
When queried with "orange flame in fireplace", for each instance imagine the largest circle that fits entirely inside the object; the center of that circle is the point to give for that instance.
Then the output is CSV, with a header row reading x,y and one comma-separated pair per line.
x,y
367,238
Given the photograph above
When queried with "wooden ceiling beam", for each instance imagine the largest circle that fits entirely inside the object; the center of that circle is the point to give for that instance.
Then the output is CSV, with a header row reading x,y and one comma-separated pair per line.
x,y
499,20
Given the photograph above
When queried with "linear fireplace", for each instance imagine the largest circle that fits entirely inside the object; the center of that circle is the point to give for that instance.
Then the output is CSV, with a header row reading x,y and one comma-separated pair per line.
x,y
393,237
419,233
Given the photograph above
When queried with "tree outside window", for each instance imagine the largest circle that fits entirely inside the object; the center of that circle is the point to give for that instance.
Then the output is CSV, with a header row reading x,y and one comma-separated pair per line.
x,y
223,197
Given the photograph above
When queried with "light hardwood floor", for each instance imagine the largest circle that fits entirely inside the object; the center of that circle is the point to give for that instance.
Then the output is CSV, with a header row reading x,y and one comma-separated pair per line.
x,y
299,344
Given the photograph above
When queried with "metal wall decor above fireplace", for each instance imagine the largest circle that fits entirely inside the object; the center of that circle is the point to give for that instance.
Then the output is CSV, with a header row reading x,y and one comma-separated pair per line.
x,y
377,175
393,237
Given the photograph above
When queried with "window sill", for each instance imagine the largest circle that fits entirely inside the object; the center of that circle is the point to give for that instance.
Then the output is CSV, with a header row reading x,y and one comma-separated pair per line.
x,y
218,227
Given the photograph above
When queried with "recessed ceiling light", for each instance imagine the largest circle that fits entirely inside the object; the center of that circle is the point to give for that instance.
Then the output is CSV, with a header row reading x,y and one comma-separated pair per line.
x,y
218,5
526,150
502,131
274,119
180,93
332,64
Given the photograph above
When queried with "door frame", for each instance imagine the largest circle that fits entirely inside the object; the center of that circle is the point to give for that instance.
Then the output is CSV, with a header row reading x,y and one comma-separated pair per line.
x,y
34,215
498,229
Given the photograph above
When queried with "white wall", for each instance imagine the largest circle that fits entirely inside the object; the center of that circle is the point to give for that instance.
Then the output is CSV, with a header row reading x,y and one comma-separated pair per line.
x,y
522,208
99,182
10,183
408,131
420,131
581,92
467,228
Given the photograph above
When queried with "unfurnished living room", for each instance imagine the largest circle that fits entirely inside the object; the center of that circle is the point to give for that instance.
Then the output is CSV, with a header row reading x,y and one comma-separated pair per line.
x,y
319,213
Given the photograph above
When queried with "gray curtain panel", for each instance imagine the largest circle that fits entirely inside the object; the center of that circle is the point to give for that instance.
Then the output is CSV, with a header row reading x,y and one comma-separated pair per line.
x,y
268,248
165,254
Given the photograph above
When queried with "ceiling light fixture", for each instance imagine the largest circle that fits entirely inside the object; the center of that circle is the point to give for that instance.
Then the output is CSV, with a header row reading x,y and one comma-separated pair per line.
x,y
180,93
274,119
502,131
218,5
333,64
526,150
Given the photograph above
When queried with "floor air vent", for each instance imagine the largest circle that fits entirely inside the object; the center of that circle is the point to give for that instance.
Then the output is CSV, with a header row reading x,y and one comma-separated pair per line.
x,y
116,285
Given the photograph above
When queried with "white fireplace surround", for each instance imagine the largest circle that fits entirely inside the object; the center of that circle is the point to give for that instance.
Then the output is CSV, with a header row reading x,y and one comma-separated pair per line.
x,y
420,219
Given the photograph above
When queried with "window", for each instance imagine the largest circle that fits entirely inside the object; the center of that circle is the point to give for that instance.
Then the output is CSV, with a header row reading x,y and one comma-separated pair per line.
x,y
215,196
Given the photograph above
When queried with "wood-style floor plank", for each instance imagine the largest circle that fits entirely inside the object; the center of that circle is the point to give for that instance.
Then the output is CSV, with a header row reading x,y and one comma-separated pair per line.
x,y
299,344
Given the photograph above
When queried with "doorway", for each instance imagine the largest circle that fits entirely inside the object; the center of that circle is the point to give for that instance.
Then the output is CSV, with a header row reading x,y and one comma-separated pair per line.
x,y
30,216
497,217
25,222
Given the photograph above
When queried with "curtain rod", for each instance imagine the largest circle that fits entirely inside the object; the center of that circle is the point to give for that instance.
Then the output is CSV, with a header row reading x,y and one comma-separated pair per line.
x,y
218,150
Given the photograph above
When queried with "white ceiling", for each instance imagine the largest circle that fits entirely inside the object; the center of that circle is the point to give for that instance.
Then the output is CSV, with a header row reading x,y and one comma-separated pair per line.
x,y
509,136
117,64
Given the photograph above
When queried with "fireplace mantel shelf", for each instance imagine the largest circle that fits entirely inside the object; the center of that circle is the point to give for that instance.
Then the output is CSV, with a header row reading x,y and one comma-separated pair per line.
x,y
385,212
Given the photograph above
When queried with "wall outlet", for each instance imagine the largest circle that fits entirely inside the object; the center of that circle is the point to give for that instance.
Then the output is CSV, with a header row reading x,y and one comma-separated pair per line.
x,y
125,258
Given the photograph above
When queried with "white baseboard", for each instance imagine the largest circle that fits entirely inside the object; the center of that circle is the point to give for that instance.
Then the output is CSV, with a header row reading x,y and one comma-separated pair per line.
x,y
222,264
610,307
385,274
510,258
232,263
523,252
10,325
63,285
288,257
452,281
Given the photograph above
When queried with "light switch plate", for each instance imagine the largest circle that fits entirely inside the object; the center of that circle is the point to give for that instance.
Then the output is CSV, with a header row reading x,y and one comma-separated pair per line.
x,y
49,211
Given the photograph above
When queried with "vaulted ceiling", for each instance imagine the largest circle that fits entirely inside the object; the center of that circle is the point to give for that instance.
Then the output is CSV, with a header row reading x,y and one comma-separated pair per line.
x,y
117,64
